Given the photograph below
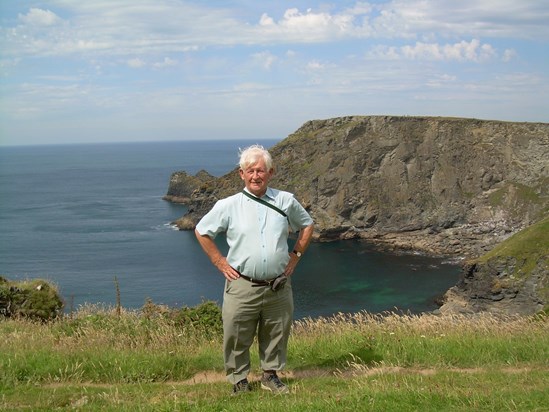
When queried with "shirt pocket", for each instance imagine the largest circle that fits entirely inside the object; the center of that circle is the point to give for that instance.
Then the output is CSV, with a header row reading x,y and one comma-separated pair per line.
x,y
278,223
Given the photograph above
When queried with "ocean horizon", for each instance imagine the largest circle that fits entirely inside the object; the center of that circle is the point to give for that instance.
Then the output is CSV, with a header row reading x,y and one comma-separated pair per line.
x,y
83,215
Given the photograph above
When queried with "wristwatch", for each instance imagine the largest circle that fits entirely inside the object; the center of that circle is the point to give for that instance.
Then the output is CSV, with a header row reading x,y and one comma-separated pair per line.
x,y
298,254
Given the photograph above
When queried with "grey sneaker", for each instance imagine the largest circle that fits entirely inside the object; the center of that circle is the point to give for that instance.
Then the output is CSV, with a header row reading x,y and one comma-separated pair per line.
x,y
273,384
241,387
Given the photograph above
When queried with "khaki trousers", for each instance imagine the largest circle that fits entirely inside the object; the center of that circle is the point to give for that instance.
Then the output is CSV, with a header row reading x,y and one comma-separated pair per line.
x,y
249,309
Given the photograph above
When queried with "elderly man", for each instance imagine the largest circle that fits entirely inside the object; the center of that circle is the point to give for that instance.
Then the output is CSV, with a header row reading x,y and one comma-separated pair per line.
x,y
258,293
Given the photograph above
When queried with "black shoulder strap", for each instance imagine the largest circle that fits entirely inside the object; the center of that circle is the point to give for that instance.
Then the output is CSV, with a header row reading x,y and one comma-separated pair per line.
x,y
264,203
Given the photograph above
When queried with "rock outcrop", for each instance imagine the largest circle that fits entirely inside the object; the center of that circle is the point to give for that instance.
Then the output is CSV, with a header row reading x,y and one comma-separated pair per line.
x,y
448,186
182,185
513,278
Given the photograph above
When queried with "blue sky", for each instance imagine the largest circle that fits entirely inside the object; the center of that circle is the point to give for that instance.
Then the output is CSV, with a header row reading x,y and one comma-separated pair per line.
x,y
144,70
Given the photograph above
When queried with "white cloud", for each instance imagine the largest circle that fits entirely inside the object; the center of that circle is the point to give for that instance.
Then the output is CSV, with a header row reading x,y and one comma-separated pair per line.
x,y
136,63
384,52
39,17
249,87
408,19
475,18
463,51
311,26
441,80
44,99
167,62
509,54
162,26
264,59
315,65
7,65
266,21
466,51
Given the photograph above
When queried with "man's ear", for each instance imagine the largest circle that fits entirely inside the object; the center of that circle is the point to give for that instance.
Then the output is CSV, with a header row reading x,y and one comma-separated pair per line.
x,y
241,173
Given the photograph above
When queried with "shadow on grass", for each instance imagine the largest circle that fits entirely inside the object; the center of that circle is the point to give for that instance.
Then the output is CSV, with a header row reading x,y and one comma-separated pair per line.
x,y
363,355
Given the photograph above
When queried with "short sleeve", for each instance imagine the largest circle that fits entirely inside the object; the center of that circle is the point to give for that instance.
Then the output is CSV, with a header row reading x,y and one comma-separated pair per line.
x,y
298,216
213,222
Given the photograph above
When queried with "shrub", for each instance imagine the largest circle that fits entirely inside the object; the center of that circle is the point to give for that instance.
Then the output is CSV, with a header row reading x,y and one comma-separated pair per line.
x,y
206,317
35,299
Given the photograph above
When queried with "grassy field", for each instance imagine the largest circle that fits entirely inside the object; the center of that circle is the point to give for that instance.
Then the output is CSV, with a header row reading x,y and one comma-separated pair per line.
x,y
102,359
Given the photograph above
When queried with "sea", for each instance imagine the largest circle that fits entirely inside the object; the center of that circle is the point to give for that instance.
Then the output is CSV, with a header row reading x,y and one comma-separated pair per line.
x,y
90,218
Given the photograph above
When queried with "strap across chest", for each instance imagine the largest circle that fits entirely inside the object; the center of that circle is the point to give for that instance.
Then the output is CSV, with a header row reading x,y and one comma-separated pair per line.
x,y
264,203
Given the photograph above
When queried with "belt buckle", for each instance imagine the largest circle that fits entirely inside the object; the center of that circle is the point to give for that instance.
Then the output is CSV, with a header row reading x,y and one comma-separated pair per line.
x,y
278,283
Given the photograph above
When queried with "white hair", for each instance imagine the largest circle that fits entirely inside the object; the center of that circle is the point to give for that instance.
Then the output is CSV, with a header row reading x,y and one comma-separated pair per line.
x,y
252,154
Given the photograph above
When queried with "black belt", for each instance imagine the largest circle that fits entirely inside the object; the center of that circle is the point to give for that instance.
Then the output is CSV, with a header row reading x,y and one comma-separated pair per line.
x,y
258,282
275,284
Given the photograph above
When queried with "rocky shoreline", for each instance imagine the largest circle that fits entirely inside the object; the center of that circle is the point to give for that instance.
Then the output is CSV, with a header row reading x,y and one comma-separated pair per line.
x,y
460,242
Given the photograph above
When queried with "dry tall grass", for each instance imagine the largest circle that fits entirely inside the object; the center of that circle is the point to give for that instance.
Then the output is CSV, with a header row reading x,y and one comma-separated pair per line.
x,y
134,339
99,359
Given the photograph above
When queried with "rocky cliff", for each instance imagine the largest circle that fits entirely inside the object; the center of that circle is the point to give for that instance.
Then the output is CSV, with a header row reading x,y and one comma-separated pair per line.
x,y
512,278
439,185
182,185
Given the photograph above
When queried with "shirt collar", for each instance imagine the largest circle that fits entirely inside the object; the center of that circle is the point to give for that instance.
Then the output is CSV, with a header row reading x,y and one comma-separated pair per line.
x,y
269,193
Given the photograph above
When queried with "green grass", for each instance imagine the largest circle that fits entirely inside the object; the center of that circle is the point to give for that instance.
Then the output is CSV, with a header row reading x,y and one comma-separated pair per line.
x,y
387,391
530,245
147,360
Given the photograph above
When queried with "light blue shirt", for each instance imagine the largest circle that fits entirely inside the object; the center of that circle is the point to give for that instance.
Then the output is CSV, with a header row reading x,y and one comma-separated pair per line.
x,y
257,235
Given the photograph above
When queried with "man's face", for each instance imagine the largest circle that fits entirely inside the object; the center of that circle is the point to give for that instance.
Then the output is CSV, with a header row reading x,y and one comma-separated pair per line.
x,y
256,177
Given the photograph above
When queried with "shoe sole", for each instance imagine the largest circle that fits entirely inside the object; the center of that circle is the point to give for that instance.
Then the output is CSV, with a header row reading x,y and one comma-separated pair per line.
x,y
265,387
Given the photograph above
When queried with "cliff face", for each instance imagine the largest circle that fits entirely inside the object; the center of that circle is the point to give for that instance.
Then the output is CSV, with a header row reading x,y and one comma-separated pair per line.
x,y
182,185
511,278
441,185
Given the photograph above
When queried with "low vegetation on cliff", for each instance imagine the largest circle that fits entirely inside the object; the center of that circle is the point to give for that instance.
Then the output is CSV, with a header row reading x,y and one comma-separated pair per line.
x,y
530,247
157,359
511,278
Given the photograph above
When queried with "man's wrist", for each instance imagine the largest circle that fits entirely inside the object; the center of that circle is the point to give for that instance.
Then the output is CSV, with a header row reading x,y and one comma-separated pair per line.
x,y
297,253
